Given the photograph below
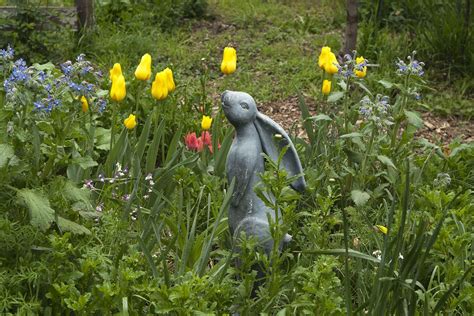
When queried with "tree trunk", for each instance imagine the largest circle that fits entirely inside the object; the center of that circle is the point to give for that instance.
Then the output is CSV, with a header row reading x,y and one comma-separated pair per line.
x,y
85,13
350,43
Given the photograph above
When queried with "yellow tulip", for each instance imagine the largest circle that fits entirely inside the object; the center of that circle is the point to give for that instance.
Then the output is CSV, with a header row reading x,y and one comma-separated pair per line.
x,y
118,90
360,73
85,104
206,122
159,87
382,229
331,65
229,61
130,122
143,71
326,87
169,79
323,56
115,71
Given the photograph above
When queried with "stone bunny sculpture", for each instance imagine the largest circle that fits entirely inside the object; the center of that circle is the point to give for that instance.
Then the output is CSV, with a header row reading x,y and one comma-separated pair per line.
x,y
255,134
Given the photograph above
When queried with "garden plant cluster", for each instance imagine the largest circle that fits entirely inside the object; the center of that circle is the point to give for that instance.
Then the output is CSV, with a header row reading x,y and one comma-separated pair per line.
x,y
114,195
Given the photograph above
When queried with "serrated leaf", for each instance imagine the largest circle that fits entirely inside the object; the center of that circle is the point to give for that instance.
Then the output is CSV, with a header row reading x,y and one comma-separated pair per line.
x,y
321,117
414,119
335,96
359,197
72,227
6,153
74,194
386,161
41,213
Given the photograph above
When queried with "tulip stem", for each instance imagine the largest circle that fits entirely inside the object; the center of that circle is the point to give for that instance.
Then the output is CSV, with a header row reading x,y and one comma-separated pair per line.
x,y
112,126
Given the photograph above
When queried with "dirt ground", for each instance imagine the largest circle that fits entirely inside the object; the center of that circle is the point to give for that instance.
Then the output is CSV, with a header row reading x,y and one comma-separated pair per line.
x,y
439,130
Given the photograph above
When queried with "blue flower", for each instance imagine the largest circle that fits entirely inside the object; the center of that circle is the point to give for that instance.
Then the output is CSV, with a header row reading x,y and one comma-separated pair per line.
x,y
8,53
102,104
80,58
67,68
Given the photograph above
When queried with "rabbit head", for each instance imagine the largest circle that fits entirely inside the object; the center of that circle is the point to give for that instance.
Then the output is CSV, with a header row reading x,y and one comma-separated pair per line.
x,y
241,110
239,107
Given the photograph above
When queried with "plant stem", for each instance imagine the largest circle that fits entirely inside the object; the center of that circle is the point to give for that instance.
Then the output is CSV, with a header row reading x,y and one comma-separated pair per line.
x,y
367,154
347,280
346,106
398,120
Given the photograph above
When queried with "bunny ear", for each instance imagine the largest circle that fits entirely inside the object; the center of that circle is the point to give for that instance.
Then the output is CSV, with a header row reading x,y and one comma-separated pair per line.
x,y
272,146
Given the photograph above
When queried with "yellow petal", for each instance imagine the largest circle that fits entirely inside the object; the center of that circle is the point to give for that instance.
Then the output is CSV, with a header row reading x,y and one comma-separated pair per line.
x,y
323,56
85,104
206,122
130,122
115,71
170,79
118,90
229,61
326,87
159,87
143,71
382,229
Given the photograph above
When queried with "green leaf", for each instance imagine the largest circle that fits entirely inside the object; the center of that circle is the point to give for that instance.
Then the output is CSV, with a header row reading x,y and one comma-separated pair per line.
x,y
143,138
386,84
153,148
102,138
46,127
85,162
6,153
74,194
414,119
321,117
335,96
363,87
386,161
342,252
41,213
72,227
359,197
351,135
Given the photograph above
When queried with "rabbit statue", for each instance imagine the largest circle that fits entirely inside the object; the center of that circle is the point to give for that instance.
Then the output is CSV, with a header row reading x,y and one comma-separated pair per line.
x,y
255,134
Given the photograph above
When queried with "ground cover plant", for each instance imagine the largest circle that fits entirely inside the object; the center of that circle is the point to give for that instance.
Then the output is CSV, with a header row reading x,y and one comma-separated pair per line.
x,y
112,171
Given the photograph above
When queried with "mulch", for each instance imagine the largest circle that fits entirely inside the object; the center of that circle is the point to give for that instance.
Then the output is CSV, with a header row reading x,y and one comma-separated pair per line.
x,y
436,129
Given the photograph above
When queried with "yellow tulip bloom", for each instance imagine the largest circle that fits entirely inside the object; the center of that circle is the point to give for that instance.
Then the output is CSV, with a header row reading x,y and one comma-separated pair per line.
x,y
85,104
360,73
118,91
206,122
331,65
115,71
382,229
169,79
130,122
229,61
143,71
326,87
323,56
159,87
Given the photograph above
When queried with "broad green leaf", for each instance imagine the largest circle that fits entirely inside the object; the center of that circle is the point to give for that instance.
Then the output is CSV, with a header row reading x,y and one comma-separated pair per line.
x,y
363,87
305,114
102,138
173,146
359,197
6,153
414,119
335,96
153,148
386,161
386,84
72,227
41,213
321,117
46,127
143,138
74,194
85,162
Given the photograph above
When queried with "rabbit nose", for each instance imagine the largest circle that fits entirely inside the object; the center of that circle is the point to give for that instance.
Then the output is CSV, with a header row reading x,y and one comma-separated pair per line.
x,y
223,95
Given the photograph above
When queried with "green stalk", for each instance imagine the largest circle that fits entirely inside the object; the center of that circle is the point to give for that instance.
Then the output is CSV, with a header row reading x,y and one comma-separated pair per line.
x,y
346,106
347,281
112,125
367,154
400,111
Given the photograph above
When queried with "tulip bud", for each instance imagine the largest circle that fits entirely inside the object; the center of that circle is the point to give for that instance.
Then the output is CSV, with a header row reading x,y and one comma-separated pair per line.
x,y
206,122
130,122
323,56
229,61
382,229
159,87
363,69
85,104
169,79
143,71
326,87
118,90
115,71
